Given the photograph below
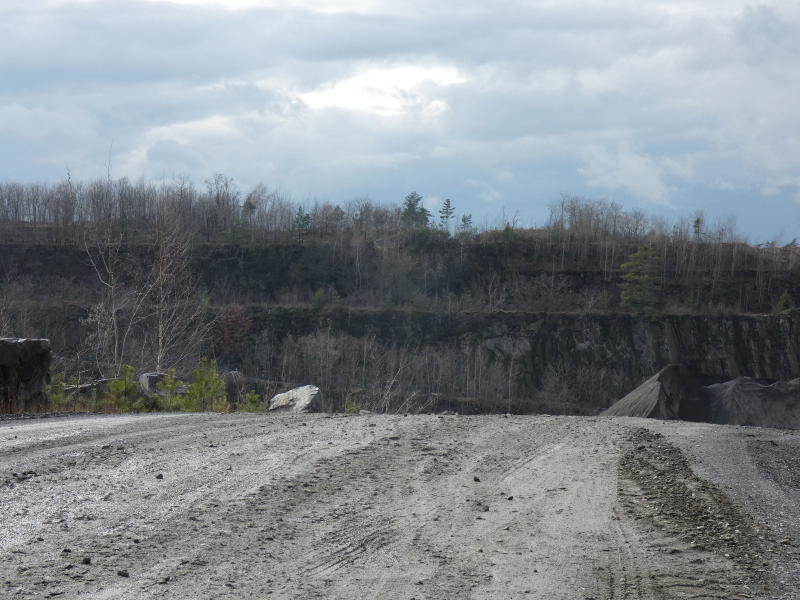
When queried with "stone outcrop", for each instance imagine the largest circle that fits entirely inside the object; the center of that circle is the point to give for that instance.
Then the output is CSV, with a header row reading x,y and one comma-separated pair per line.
x,y
304,399
674,393
24,374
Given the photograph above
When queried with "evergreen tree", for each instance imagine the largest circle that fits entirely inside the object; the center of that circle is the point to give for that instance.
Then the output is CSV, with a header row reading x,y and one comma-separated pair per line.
x,y
445,215
466,227
640,284
302,223
785,301
414,214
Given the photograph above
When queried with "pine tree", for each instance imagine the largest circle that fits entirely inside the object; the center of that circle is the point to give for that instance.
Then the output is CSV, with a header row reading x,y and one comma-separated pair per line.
x,y
640,280
465,228
302,223
414,214
785,301
446,214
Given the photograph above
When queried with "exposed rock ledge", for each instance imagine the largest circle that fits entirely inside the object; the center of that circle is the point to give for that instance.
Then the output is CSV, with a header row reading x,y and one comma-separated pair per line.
x,y
24,374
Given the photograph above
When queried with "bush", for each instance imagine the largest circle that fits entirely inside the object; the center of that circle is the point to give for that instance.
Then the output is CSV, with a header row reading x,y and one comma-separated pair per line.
x,y
351,407
207,392
171,396
785,302
57,395
253,403
125,394
319,299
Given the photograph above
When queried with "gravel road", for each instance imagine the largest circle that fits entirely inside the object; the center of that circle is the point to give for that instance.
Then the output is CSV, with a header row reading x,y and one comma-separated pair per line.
x,y
425,507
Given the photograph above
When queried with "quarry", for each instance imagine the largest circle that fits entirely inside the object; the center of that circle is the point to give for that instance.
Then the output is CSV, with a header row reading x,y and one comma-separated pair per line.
x,y
194,404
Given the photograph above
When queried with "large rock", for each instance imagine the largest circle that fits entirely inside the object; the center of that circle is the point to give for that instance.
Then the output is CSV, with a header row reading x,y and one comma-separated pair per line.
x,y
24,374
672,393
299,400
149,382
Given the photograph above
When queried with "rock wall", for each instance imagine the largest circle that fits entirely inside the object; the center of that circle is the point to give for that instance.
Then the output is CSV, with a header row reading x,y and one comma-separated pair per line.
x,y
610,353
24,375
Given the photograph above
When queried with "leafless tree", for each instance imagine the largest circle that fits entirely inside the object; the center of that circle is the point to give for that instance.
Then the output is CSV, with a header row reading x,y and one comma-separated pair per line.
x,y
177,317
121,308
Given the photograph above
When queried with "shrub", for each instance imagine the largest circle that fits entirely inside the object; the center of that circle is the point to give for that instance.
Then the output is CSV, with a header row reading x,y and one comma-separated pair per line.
x,y
253,403
319,299
351,407
55,392
207,392
785,301
171,396
124,392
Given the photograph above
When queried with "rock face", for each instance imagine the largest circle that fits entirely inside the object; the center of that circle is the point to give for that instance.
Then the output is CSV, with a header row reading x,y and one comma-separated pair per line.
x,y
674,393
299,400
24,374
614,351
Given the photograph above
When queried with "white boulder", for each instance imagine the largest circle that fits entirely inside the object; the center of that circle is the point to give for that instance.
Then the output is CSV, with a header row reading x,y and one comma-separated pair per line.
x,y
304,399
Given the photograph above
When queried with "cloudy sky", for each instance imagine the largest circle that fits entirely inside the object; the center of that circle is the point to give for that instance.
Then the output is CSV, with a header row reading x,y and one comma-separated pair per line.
x,y
668,106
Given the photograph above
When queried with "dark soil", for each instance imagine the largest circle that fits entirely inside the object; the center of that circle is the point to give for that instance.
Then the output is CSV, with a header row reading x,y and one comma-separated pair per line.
x,y
659,488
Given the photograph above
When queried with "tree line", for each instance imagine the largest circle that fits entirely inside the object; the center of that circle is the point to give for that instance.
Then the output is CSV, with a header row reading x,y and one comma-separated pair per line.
x,y
370,254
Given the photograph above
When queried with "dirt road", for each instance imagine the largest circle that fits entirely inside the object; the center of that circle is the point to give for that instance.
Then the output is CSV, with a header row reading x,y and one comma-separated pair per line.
x,y
425,507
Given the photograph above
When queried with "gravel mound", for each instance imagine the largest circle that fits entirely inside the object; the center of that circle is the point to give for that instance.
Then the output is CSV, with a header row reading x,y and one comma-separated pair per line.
x,y
675,393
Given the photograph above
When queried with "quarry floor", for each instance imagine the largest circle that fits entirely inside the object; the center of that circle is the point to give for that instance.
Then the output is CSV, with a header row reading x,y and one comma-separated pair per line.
x,y
369,506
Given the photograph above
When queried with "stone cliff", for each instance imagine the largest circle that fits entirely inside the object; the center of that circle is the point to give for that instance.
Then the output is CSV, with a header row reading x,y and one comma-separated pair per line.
x,y
609,354
24,374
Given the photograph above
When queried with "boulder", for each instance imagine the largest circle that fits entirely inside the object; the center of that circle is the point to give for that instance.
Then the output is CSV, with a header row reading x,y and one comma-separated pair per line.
x,y
304,399
24,374
149,382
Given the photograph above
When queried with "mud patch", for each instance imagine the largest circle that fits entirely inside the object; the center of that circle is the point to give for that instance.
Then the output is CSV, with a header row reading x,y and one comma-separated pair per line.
x,y
692,518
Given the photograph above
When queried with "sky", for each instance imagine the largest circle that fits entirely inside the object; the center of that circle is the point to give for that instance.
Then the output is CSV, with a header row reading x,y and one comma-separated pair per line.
x,y
664,106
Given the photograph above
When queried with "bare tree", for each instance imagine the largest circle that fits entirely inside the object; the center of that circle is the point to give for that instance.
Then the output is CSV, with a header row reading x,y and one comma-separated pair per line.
x,y
178,322
118,312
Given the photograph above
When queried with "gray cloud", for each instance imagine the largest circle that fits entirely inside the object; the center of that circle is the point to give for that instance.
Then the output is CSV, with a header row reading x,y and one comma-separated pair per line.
x,y
669,106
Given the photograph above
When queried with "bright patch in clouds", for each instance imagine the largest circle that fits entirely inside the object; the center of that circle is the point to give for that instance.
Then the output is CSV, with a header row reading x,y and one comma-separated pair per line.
x,y
387,91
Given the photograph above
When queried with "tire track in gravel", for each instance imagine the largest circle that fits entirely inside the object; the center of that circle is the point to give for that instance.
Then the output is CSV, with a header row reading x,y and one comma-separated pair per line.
x,y
703,545
404,517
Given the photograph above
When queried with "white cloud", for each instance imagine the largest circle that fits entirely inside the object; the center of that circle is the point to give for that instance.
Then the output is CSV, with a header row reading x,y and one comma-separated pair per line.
x,y
386,91
487,193
627,170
